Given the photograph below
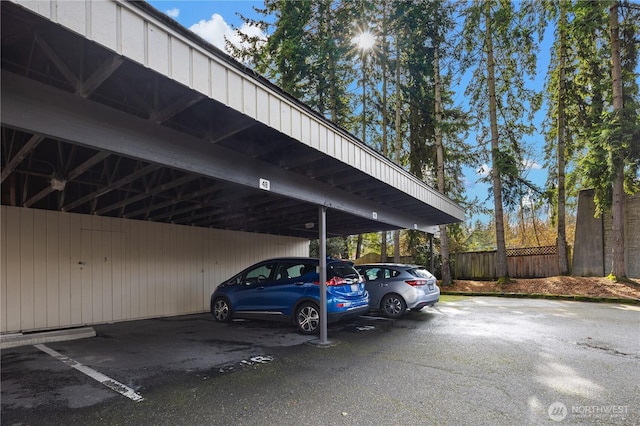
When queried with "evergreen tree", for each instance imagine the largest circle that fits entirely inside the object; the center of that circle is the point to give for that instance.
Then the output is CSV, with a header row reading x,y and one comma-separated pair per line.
x,y
610,115
500,42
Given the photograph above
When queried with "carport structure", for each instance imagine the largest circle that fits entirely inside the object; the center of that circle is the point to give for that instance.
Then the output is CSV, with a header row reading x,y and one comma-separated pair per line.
x,y
138,159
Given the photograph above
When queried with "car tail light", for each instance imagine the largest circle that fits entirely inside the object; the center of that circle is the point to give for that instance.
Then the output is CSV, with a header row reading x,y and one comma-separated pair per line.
x,y
416,283
333,281
336,281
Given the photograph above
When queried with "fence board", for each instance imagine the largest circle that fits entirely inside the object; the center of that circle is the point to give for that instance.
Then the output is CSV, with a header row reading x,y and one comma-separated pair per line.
x,y
529,262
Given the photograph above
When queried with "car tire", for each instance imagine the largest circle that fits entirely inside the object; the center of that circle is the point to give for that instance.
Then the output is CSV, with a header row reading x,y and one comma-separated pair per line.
x,y
308,318
221,310
393,306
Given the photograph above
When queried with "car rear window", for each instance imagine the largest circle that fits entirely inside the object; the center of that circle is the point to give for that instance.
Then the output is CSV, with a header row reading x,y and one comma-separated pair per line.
x,y
420,273
341,269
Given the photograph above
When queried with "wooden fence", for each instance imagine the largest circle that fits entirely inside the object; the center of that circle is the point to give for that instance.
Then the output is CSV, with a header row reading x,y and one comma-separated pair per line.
x,y
530,262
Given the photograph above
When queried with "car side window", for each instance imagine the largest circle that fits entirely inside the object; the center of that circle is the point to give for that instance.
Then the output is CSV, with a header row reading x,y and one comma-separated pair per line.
x,y
373,274
289,270
259,274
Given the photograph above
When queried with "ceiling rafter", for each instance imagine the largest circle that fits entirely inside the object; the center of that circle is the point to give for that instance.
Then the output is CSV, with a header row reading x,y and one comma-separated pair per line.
x,y
69,177
184,102
153,207
20,155
161,188
114,185
58,62
104,71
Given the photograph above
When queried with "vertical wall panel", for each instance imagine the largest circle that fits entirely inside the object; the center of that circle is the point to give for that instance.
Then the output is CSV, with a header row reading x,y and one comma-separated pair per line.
x,y
118,282
133,264
315,134
75,267
274,112
200,72
234,90
64,268
285,118
103,19
40,268
10,269
3,270
72,14
52,268
132,36
159,280
86,268
305,129
143,265
157,49
180,61
41,7
14,277
250,101
262,103
219,82
331,142
295,124
27,305
322,138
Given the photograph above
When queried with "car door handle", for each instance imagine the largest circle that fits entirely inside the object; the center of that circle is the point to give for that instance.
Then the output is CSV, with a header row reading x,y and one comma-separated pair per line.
x,y
260,288
299,283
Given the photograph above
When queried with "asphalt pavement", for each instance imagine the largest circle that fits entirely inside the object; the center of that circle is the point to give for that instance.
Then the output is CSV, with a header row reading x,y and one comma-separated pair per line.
x,y
468,361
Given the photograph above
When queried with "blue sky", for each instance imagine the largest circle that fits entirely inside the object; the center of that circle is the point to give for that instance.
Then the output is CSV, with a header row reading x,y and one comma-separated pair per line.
x,y
213,20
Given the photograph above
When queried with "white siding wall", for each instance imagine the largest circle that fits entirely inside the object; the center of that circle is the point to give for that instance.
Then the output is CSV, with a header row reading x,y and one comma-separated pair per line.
x,y
66,269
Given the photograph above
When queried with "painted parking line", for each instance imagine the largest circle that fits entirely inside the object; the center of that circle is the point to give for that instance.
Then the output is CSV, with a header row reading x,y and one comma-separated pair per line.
x,y
97,376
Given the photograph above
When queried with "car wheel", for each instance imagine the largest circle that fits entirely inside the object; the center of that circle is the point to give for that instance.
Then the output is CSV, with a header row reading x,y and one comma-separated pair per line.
x,y
393,306
308,318
221,310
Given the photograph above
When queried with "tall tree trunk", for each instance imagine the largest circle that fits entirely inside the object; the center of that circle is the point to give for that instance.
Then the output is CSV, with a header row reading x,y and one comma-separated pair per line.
x,y
385,119
398,144
364,128
618,206
444,241
501,253
359,246
563,261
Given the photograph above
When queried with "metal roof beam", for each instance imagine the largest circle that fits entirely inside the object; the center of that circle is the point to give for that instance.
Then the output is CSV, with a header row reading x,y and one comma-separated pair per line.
x,y
27,104
69,177
106,189
20,155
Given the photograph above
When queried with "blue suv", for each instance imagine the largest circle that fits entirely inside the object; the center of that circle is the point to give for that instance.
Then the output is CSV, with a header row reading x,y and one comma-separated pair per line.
x,y
288,289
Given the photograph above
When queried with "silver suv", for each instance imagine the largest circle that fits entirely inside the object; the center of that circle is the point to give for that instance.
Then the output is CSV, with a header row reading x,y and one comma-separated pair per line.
x,y
393,288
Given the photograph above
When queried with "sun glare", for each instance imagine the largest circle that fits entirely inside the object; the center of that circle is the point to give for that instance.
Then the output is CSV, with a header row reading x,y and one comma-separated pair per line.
x,y
365,40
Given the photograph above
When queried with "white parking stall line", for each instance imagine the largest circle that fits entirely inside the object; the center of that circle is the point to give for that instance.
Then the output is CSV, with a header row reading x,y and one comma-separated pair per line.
x,y
97,376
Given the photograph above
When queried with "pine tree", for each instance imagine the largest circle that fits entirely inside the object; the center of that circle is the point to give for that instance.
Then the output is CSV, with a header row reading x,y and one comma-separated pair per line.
x,y
500,39
610,113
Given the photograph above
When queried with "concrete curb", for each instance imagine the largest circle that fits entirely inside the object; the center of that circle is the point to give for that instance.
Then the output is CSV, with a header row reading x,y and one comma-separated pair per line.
x,y
575,298
19,339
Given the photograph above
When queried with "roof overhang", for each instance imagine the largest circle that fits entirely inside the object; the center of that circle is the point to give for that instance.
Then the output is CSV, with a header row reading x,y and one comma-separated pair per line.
x,y
93,124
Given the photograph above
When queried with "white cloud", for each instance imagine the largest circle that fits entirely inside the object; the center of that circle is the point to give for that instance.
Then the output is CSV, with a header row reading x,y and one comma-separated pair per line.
x,y
484,170
216,30
174,13
531,165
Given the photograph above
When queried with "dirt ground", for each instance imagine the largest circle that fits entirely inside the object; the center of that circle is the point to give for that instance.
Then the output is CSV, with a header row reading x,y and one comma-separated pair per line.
x,y
570,286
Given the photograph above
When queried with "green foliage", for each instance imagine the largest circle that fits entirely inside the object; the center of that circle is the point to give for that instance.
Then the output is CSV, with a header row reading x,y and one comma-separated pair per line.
x,y
336,248
516,28
611,139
